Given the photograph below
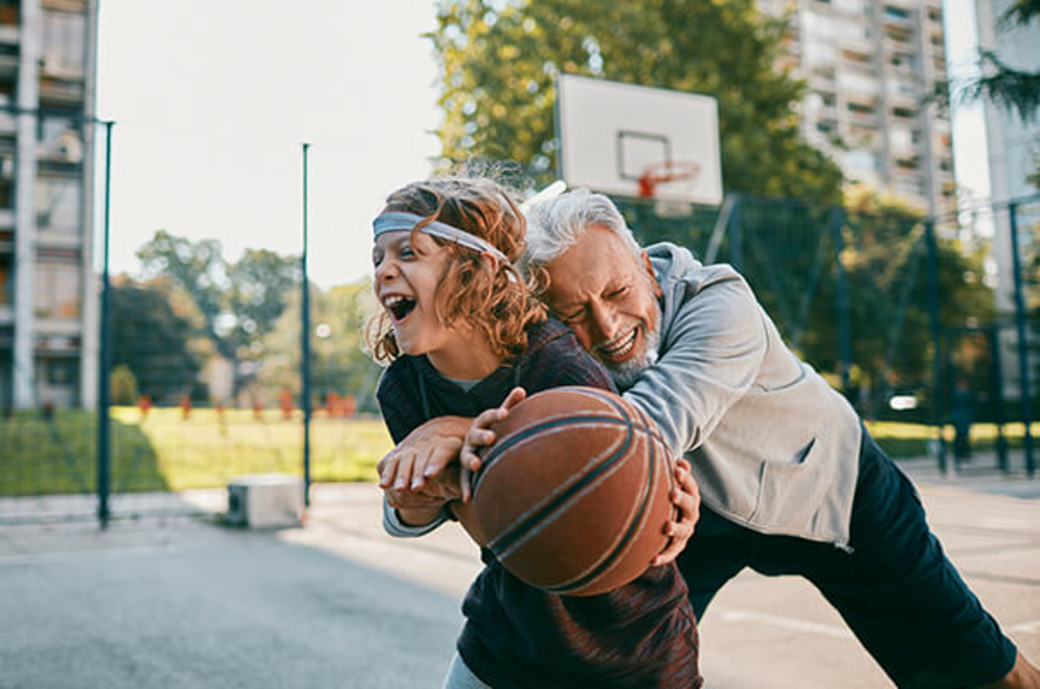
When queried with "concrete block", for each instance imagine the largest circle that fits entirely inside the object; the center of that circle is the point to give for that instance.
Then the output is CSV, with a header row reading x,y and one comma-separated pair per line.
x,y
265,501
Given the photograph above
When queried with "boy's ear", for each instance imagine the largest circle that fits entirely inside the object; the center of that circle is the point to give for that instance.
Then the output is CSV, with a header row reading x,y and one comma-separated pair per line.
x,y
649,268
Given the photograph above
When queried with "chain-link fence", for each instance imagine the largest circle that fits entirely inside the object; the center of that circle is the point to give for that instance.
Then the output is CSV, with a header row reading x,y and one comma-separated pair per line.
x,y
914,319
917,322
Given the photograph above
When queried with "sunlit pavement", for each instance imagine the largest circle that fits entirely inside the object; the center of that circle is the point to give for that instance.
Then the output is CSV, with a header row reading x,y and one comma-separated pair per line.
x,y
181,602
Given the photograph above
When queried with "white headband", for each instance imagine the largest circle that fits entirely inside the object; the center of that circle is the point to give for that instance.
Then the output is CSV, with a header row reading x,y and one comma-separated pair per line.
x,y
396,222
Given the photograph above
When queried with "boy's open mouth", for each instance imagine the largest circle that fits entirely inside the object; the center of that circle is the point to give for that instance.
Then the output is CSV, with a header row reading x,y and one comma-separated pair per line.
x,y
398,306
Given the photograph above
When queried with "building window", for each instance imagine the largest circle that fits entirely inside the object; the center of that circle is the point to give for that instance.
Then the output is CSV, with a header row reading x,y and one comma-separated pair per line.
x,y
59,205
60,371
59,141
9,12
6,282
56,290
64,43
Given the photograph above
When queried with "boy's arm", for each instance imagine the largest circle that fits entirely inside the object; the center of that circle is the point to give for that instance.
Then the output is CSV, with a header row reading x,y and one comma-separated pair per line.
x,y
420,476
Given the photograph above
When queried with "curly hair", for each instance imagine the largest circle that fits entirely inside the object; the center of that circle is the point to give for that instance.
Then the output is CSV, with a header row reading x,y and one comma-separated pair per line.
x,y
488,295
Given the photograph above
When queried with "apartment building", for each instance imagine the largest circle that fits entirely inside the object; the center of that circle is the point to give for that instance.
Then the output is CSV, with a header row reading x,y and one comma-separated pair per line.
x,y
48,307
869,65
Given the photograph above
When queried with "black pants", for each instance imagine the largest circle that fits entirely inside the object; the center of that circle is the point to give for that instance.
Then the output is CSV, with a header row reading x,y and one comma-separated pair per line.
x,y
897,591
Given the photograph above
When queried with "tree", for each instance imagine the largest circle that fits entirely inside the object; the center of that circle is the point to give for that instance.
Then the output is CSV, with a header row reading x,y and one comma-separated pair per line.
x,y
338,362
886,267
1014,89
152,341
499,60
239,303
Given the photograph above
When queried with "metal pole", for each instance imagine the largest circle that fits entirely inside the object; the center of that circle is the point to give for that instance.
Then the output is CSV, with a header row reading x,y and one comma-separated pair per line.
x,y
1020,327
933,313
104,456
997,384
837,219
305,347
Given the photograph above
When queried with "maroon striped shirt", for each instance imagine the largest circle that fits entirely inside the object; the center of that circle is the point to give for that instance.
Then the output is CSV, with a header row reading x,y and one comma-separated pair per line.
x,y
640,635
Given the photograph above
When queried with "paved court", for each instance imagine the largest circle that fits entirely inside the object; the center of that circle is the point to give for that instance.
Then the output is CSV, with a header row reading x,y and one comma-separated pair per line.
x,y
182,603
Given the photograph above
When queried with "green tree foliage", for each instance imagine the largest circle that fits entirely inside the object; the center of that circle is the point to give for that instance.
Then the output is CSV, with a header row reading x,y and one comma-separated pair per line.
x,y
499,61
338,362
1015,89
886,267
123,386
239,303
151,341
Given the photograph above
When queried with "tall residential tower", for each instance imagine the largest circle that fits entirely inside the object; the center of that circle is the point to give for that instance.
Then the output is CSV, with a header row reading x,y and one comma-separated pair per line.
x,y
48,313
869,65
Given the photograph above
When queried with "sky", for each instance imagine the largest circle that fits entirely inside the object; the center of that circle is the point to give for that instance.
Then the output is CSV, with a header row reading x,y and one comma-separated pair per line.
x,y
212,100
967,121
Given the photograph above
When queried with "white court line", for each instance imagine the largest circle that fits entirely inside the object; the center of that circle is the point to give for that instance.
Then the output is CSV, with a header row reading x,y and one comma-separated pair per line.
x,y
732,615
1026,627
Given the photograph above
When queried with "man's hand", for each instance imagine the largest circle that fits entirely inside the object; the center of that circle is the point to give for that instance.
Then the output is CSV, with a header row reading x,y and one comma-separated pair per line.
x,y
687,499
423,456
479,435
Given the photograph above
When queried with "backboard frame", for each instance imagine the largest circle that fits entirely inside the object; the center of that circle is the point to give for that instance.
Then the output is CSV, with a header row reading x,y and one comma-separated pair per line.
x,y
609,133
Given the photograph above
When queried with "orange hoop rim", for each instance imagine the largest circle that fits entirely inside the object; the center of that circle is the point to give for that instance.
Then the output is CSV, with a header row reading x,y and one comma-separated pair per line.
x,y
665,171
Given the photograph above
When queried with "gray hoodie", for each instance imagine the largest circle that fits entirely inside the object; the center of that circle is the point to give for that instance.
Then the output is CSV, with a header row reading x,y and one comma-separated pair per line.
x,y
772,445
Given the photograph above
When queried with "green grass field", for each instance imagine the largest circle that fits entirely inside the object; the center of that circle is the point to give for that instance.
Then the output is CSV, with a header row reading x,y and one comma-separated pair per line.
x,y
163,451
166,452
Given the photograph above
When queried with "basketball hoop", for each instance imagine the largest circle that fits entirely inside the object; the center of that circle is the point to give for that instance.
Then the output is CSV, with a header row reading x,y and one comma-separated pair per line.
x,y
664,172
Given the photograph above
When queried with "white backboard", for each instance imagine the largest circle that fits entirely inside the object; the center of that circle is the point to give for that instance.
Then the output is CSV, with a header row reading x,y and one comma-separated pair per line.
x,y
610,134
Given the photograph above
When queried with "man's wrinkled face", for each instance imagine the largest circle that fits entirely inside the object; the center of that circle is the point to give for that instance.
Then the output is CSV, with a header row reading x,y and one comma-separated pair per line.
x,y
608,297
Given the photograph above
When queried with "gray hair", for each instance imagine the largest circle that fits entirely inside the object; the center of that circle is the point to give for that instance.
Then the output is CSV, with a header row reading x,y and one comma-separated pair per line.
x,y
556,224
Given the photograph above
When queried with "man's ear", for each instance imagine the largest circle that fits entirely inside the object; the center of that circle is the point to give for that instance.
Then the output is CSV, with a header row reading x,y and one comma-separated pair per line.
x,y
649,268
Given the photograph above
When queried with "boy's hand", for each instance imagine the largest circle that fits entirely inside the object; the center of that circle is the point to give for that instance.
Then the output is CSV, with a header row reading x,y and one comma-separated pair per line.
x,y
687,499
480,436
423,454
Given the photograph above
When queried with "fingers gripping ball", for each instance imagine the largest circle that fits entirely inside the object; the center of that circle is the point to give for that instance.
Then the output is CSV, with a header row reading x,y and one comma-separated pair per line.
x,y
573,497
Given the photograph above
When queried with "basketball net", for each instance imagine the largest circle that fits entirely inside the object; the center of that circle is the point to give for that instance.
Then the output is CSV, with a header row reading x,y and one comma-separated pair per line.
x,y
662,172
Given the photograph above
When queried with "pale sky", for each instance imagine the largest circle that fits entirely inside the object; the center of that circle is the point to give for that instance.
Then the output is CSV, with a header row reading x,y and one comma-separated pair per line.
x,y
212,100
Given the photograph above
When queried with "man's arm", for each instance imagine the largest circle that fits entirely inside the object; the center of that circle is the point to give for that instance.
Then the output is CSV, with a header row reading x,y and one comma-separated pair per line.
x,y
715,346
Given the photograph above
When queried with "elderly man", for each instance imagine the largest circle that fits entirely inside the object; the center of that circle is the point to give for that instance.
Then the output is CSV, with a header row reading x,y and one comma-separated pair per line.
x,y
790,481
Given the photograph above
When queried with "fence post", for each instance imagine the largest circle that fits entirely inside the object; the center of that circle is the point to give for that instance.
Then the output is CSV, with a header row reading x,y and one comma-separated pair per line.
x,y
936,327
305,349
997,375
736,238
837,221
104,454
1023,351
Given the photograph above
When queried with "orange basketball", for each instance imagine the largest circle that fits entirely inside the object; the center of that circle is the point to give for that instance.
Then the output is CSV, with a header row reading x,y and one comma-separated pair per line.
x,y
573,497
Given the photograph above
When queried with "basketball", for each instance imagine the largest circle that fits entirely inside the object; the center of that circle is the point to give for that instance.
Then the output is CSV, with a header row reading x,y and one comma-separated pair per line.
x,y
573,497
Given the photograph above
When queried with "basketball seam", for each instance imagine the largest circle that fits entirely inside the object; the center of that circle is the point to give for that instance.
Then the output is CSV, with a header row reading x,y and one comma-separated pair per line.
x,y
636,521
534,522
524,529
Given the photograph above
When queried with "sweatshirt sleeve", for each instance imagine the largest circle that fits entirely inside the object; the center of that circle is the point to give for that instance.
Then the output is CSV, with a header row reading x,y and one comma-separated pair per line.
x,y
715,345
393,525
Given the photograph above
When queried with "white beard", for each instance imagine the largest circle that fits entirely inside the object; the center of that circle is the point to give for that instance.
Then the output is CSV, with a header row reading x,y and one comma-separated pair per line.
x,y
626,373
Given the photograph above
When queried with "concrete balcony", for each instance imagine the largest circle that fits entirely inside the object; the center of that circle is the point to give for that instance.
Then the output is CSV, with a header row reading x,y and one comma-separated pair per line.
x,y
10,34
65,5
49,239
62,93
8,123
6,218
